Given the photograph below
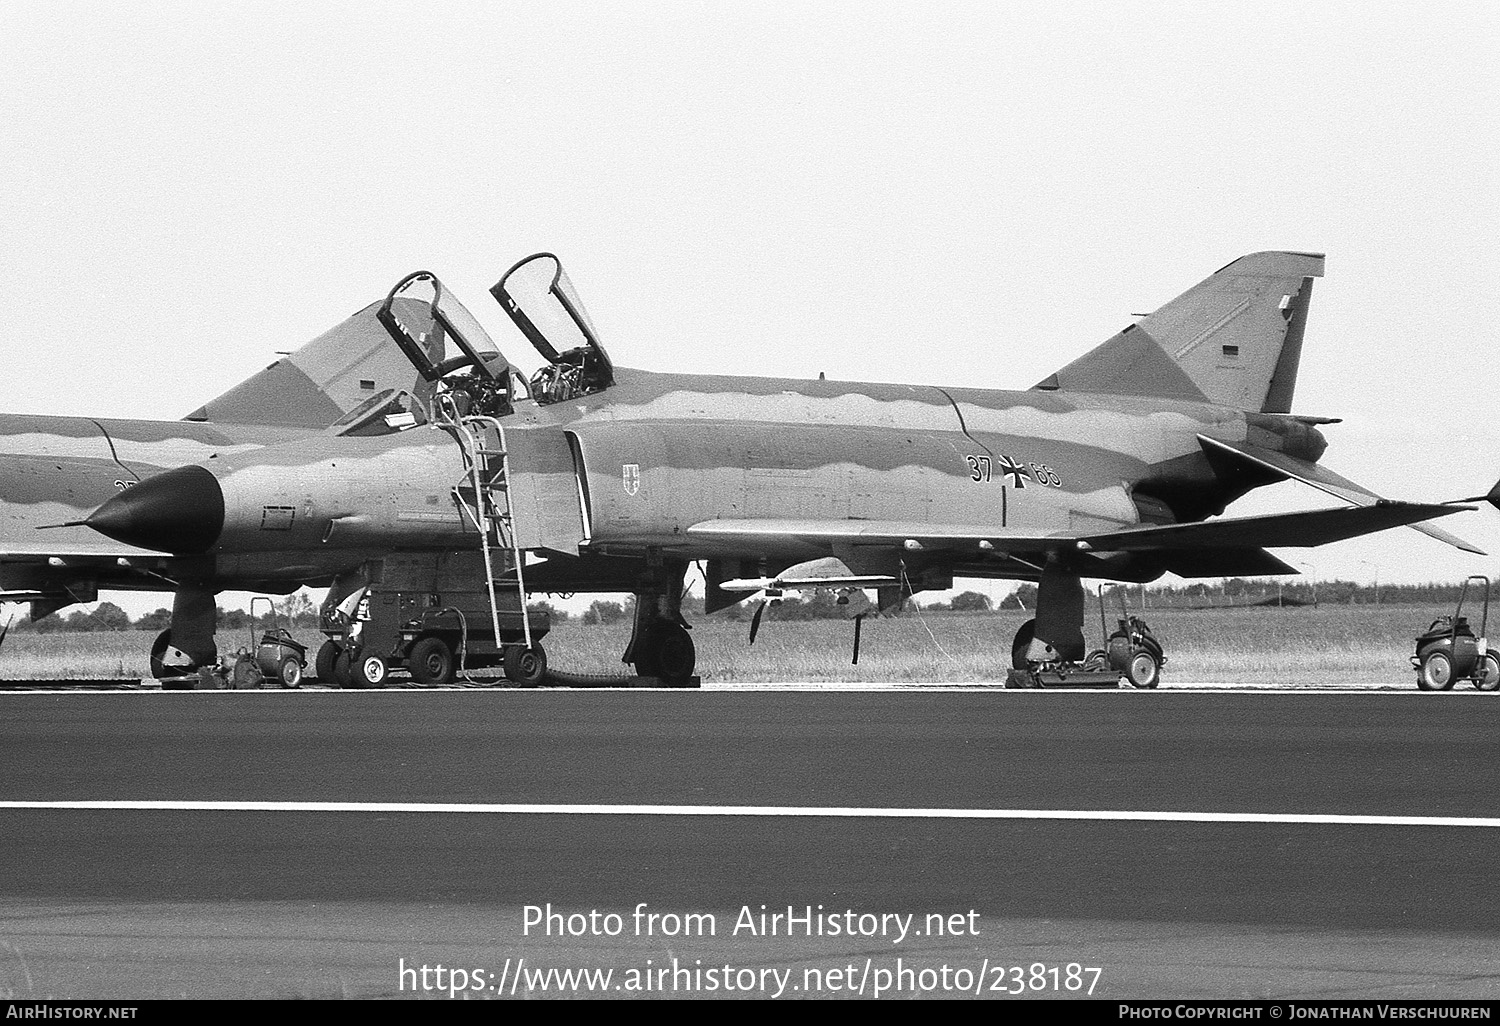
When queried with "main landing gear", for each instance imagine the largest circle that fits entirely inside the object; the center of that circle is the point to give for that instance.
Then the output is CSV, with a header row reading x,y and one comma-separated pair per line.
x,y
1132,654
660,645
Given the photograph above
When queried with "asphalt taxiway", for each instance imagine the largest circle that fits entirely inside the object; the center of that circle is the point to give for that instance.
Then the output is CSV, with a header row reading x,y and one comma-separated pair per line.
x,y
1208,844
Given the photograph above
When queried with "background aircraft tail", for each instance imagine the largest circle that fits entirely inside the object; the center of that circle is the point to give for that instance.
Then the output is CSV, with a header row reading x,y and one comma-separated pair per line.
x,y
318,383
1235,339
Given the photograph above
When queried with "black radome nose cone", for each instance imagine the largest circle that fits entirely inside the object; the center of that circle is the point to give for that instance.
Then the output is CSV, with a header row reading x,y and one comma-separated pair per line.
x,y
179,511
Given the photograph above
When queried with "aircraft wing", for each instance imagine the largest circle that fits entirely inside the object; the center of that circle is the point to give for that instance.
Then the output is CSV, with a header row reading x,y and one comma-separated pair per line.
x,y
1281,530
1284,467
44,571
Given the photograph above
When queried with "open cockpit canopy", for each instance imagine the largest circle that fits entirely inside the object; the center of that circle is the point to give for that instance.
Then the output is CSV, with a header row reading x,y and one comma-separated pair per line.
x,y
421,315
538,296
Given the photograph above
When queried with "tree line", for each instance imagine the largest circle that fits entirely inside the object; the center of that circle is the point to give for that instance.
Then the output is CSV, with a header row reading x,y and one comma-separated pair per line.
x,y
298,611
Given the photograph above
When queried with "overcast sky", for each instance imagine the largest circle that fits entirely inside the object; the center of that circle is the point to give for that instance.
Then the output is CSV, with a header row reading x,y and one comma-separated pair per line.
x,y
946,193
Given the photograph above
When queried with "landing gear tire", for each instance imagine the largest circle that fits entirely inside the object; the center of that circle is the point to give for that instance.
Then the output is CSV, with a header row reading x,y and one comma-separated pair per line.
x,y
344,667
323,665
371,671
291,672
431,662
1488,677
668,654
525,666
1436,672
676,656
1021,643
1143,671
646,664
162,650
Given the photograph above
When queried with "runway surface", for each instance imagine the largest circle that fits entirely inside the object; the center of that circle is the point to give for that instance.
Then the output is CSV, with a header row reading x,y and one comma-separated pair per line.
x,y
135,901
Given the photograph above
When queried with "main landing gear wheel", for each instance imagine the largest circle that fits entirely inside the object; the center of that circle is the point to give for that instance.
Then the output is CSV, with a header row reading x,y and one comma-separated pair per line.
x,y
1488,678
323,665
669,653
371,671
431,662
1436,672
676,657
1143,671
525,666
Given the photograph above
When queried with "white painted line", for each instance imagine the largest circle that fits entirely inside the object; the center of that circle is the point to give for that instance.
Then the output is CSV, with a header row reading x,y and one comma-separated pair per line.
x,y
808,811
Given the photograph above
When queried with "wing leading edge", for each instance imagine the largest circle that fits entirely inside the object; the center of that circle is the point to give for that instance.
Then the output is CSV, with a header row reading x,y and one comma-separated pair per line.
x,y
1231,535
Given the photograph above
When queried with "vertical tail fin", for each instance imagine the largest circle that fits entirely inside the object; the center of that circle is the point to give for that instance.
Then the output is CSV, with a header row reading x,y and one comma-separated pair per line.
x,y
318,383
1235,338
1238,333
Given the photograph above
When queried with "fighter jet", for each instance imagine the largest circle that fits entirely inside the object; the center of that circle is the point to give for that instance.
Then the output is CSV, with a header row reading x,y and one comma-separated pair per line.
x,y
590,477
57,469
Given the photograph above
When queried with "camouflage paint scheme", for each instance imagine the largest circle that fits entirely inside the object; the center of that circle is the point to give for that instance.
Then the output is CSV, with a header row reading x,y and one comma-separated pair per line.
x,y
1105,470
55,470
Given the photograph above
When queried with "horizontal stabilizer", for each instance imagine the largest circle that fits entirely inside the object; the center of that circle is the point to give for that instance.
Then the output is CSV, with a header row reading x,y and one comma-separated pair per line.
x,y
1286,467
1492,496
1281,530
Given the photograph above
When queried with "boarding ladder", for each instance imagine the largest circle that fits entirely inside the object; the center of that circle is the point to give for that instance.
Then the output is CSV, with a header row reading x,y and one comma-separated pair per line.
x,y
487,469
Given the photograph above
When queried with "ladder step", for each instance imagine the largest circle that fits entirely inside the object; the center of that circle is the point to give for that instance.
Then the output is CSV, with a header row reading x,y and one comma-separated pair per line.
x,y
490,452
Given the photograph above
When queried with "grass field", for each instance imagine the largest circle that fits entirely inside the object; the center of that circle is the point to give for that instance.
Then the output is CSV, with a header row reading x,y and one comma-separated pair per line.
x,y
1328,644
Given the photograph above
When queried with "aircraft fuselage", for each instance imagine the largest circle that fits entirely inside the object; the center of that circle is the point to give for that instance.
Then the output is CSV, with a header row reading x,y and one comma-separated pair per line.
x,y
645,465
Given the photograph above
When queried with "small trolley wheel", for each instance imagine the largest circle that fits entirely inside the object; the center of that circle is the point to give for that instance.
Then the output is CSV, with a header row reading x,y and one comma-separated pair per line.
x,y
372,671
1143,671
1436,671
431,662
291,672
1487,676
525,666
323,664
1098,659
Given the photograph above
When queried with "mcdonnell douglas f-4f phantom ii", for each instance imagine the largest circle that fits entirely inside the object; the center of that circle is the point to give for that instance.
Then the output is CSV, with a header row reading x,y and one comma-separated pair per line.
x,y
55,468
594,478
